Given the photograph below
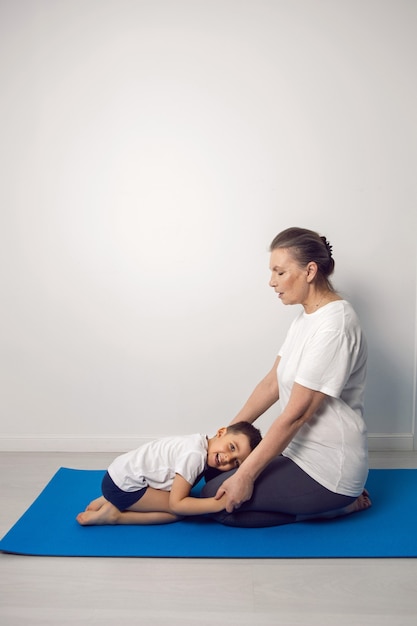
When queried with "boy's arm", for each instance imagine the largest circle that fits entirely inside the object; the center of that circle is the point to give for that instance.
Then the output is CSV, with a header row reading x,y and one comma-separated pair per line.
x,y
181,503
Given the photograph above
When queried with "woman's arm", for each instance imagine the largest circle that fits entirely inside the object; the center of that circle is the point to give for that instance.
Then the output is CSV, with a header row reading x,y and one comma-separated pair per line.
x,y
181,503
303,403
265,394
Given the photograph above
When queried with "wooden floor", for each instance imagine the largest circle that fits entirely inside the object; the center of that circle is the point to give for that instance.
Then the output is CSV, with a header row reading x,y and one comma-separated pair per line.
x,y
59,591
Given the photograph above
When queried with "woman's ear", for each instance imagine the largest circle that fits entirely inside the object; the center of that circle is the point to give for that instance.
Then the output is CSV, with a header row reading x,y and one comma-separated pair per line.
x,y
311,271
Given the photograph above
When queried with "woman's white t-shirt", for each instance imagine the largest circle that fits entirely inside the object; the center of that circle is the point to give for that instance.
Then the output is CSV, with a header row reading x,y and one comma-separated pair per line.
x,y
155,463
326,351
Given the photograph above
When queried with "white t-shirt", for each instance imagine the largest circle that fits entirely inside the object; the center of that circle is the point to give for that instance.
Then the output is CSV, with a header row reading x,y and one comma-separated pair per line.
x,y
326,351
155,463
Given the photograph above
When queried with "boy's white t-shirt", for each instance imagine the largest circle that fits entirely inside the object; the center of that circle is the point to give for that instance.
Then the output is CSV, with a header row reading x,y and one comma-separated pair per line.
x,y
326,351
155,463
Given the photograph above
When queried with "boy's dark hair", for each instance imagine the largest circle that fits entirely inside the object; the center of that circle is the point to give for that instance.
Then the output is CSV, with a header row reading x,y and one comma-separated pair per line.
x,y
245,428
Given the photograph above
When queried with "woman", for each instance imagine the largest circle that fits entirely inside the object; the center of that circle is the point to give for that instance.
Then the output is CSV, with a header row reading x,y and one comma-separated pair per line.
x,y
313,461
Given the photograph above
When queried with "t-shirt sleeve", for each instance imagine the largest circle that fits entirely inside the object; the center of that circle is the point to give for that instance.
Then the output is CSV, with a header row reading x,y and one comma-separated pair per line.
x,y
326,363
283,347
190,465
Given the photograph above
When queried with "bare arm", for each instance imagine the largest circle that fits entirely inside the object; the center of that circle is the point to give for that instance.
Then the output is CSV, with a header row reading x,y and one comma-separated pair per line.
x,y
265,394
303,403
181,503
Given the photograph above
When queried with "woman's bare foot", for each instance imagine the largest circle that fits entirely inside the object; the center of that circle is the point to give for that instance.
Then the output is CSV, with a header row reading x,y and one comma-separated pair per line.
x,y
106,514
361,503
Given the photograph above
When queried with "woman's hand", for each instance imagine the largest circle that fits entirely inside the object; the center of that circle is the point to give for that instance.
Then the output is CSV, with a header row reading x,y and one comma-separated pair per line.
x,y
235,491
302,405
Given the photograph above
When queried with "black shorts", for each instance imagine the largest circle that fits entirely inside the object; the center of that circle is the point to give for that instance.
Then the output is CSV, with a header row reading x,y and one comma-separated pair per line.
x,y
122,500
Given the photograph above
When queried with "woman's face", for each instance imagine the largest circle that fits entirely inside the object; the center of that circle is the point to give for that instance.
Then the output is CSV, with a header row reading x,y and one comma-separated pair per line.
x,y
289,280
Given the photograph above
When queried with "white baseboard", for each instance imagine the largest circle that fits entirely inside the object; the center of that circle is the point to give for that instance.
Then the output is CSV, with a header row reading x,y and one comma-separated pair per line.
x,y
70,443
399,442
118,443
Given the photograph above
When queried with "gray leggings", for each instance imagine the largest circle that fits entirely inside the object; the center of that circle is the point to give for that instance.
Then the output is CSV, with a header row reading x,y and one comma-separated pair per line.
x,y
283,492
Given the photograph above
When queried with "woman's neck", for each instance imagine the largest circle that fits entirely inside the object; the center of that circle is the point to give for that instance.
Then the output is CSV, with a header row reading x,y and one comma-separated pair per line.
x,y
320,299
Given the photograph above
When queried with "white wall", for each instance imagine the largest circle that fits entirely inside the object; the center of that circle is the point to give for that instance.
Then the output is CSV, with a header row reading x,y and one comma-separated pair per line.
x,y
150,151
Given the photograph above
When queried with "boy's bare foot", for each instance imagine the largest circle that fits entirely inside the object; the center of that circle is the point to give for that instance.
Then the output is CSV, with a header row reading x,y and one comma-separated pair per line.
x,y
106,514
96,504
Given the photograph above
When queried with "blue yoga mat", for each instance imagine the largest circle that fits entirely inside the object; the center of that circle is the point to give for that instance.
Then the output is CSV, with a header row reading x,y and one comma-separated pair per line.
x,y
49,528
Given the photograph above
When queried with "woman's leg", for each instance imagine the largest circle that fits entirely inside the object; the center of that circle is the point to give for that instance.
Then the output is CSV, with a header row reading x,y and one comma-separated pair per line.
x,y
283,494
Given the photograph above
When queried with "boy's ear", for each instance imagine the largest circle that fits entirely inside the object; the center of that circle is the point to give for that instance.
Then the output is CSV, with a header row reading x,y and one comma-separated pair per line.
x,y
222,431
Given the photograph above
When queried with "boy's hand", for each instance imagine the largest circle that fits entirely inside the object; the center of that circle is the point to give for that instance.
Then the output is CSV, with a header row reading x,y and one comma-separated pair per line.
x,y
219,504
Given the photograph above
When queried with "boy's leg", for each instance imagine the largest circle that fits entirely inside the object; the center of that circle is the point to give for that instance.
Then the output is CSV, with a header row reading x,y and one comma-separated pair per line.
x,y
136,518
152,508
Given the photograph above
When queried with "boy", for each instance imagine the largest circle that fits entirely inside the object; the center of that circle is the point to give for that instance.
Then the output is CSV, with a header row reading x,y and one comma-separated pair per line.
x,y
152,484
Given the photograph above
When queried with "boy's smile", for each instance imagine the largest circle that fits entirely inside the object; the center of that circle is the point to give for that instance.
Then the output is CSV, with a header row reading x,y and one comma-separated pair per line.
x,y
227,451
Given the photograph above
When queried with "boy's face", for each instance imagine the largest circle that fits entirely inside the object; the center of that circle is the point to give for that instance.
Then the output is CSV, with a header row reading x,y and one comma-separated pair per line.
x,y
227,451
